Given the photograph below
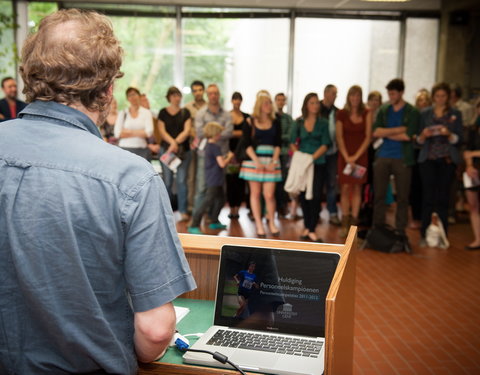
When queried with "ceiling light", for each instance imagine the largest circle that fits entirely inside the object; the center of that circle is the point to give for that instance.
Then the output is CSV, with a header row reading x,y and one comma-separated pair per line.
x,y
386,1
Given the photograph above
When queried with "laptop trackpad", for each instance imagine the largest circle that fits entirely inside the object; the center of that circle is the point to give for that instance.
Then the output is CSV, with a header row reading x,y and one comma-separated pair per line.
x,y
253,359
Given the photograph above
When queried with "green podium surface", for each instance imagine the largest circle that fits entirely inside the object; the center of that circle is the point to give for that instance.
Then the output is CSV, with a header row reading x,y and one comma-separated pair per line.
x,y
198,320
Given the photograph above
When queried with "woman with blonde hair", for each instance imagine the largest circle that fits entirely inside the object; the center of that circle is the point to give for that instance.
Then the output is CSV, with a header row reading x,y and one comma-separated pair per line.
x,y
423,99
262,138
354,132
374,102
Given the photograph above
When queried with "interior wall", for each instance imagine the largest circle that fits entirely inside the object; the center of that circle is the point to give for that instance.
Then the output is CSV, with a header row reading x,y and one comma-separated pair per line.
x,y
474,50
459,59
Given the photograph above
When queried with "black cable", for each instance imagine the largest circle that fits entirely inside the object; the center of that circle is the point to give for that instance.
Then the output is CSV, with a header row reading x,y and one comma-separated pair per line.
x,y
236,367
217,356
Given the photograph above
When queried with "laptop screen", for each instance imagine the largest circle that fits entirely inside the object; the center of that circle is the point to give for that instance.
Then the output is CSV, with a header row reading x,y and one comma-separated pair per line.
x,y
274,290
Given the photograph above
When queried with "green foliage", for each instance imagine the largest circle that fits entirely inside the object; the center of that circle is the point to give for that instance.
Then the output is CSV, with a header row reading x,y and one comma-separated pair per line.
x,y
149,47
37,11
8,48
205,46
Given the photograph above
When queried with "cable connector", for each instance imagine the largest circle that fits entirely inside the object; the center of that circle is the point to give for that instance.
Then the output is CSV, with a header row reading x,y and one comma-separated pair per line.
x,y
220,357
181,345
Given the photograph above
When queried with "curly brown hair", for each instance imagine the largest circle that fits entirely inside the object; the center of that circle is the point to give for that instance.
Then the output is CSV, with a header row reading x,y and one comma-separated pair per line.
x,y
73,58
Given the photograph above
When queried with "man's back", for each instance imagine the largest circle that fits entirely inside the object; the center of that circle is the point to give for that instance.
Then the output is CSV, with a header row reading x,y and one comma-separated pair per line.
x,y
81,226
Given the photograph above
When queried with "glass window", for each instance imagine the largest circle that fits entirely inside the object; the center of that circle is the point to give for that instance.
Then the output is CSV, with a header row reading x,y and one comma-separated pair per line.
x,y
149,45
37,11
343,53
245,55
8,52
421,50
124,9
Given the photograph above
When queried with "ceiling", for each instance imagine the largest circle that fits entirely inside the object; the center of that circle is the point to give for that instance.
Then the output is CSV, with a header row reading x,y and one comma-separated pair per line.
x,y
331,5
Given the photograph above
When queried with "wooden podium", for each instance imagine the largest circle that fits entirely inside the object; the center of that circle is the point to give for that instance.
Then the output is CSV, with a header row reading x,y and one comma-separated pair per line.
x,y
203,256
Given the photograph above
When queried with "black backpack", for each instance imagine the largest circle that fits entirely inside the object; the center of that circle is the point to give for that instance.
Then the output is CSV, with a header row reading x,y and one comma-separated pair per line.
x,y
387,240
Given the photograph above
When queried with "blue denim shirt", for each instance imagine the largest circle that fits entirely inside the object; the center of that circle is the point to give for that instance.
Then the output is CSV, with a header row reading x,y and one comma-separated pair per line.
x,y
87,238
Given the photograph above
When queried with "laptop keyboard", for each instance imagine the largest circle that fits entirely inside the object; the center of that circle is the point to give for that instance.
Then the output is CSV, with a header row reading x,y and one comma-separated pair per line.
x,y
266,343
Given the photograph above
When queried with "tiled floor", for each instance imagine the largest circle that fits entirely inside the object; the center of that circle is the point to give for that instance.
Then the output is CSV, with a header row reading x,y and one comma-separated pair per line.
x,y
414,314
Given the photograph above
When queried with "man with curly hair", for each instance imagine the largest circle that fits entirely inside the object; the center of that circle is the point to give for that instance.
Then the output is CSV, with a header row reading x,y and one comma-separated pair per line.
x,y
89,256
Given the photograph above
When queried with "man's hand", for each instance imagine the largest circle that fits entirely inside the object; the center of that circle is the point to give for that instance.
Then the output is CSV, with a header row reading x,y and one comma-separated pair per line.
x,y
153,331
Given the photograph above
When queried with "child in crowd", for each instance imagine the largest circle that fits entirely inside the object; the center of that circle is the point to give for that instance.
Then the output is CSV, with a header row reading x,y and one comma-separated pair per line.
x,y
215,162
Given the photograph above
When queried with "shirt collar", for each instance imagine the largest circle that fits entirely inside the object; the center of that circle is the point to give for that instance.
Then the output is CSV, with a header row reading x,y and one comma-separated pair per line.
x,y
220,111
61,113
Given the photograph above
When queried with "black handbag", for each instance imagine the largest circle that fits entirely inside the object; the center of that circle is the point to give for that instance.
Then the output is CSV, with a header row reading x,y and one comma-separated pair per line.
x,y
241,151
387,240
242,145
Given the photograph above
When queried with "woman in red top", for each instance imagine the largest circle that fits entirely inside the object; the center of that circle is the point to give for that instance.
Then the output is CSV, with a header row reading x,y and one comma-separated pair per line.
x,y
354,130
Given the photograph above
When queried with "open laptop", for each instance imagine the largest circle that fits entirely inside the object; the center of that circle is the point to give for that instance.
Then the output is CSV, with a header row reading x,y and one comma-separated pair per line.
x,y
269,310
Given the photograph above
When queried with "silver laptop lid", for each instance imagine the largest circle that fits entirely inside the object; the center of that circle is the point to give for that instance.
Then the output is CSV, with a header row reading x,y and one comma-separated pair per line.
x,y
274,290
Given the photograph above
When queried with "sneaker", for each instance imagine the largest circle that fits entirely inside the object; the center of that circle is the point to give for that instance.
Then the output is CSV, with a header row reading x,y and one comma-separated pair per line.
x,y
194,230
217,225
423,243
334,220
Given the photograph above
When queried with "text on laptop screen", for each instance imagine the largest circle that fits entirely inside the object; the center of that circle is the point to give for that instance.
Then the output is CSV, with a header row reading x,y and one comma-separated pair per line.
x,y
274,290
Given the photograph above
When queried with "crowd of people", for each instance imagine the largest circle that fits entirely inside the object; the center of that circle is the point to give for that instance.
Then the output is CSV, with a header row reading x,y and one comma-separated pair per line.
x,y
359,158
90,259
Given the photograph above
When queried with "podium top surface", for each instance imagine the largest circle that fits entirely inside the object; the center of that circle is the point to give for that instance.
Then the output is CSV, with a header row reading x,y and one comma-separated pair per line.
x,y
198,320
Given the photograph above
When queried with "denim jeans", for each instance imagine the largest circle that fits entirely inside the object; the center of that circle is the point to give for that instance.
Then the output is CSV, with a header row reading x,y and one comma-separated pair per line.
x,y
214,201
200,186
181,179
